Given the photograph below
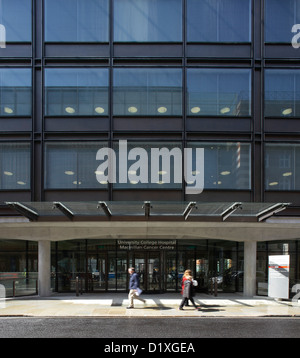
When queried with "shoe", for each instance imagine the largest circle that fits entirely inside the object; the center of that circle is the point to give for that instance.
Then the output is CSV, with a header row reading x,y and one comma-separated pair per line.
x,y
180,309
129,307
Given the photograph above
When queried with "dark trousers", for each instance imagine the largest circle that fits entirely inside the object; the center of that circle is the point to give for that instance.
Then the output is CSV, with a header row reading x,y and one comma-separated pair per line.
x,y
185,300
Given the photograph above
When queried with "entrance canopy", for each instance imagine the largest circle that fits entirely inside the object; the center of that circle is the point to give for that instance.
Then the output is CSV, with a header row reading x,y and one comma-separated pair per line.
x,y
148,210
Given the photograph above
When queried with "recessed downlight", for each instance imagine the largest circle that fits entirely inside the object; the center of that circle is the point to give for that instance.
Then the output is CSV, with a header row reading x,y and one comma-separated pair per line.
x,y
132,109
70,110
162,109
8,110
195,109
287,111
99,110
224,110
8,173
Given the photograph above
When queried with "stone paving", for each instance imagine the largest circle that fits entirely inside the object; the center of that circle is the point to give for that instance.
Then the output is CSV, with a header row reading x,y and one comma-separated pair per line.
x,y
157,305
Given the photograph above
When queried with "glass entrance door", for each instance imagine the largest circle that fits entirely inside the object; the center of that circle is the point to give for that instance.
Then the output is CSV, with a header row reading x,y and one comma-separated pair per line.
x,y
147,265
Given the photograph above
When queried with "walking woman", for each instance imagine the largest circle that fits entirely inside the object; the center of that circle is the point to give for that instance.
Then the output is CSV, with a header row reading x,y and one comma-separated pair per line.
x,y
187,290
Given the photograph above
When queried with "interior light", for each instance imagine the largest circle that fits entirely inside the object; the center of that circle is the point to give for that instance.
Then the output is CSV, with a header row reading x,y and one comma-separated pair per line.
x,y
8,110
160,182
225,172
21,182
75,182
287,111
273,183
287,174
225,110
133,182
133,172
70,110
162,109
219,182
162,172
8,173
132,109
195,109
99,172
99,110
195,172
103,182
69,172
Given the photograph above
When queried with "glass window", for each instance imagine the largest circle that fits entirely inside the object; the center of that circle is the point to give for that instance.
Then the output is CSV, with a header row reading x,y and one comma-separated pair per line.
x,y
226,165
15,16
72,165
218,20
155,165
15,92
140,91
76,20
148,20
219,92
76,91
282,166
14,166
282,93
280,16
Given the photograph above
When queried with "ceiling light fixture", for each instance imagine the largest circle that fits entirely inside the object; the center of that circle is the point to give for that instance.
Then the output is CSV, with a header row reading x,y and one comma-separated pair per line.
x,y
70,110
225,110
287,111
195,109
132,109
162,109
99,110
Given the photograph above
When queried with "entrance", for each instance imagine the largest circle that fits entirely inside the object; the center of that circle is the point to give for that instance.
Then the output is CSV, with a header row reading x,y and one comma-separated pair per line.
x,y
148,266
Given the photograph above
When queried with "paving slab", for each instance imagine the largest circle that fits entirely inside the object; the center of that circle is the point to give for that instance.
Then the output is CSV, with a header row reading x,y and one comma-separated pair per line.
x,y
157,305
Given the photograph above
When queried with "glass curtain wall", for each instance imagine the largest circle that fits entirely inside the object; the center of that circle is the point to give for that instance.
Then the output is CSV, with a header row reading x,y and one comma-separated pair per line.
x,y
147,20
76,21
15,92
15,16
219,21
72,165
280,17
282,166
15,166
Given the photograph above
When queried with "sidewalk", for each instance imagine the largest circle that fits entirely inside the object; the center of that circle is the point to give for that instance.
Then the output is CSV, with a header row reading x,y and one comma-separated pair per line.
x,y
157,305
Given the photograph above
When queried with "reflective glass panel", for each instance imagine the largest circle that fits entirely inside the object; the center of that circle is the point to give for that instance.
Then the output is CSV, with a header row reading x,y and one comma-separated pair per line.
x,y
282,93
148,165
148,20
14,166
72,165
76,20
152,91
218,20
219,92
15,16
280,16
76,91
282,166
226,165
15,92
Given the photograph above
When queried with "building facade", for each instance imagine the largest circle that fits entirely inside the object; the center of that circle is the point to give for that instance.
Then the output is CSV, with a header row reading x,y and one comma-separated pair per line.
x,y
91,89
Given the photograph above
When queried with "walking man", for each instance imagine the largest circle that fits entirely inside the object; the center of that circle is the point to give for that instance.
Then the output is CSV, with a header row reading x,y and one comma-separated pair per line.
x,y
134,289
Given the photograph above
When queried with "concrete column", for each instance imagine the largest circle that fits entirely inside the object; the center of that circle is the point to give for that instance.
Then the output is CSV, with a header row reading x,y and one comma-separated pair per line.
x,y
44,266
249,268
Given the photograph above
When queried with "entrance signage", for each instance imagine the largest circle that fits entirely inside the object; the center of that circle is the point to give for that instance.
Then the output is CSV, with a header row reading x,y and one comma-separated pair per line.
x,y
146,244
278,284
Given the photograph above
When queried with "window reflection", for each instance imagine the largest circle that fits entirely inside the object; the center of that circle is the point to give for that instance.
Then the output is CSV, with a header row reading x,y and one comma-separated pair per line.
x,y
148,20
76,21
76,92
14,166
152,92
282,93
72,165
282,163
218,92
226,165
15,15
218,20
280,16
15,92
